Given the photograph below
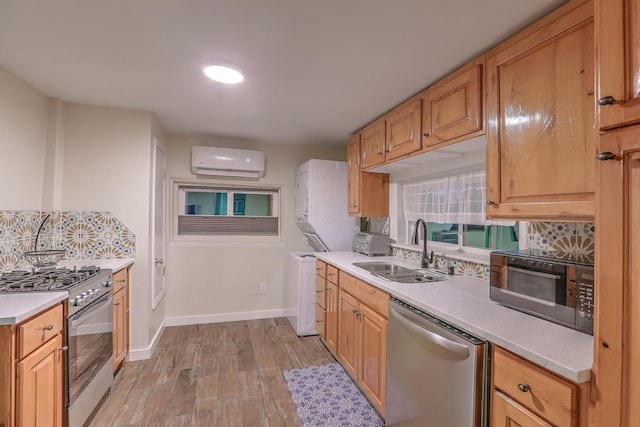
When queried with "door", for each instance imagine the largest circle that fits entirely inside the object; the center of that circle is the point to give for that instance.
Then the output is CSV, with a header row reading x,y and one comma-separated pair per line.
x,y
541,136
403,129
507,413
348,348
158,233
617,292
618,41
119,327
373,357
331,295
353,164
40,387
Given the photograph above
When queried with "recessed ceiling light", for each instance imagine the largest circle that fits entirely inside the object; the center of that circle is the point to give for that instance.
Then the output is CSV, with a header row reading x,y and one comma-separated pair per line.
x,y
223,74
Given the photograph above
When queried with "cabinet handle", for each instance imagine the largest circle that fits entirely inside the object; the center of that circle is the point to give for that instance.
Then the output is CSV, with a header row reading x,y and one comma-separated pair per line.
x,y
425,134
319,291
607,100
607,155
65,348
122,280
318,321
524,387
491,203
116,303
48,328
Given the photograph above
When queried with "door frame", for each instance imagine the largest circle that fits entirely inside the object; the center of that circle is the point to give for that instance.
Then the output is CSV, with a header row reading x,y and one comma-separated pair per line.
x,y
157,295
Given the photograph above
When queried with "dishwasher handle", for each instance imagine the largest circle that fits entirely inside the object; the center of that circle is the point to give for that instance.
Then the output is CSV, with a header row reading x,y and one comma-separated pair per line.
x,y
439,340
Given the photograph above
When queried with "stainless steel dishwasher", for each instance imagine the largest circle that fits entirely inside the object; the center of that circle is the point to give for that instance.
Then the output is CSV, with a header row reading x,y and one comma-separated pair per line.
x,y
436,373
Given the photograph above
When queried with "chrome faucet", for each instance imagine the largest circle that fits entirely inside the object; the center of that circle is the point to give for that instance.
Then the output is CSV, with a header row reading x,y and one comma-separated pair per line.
x,y
424,261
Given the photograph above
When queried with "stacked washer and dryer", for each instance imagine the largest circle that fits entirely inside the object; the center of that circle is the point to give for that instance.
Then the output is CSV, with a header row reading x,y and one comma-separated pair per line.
x,y
321,215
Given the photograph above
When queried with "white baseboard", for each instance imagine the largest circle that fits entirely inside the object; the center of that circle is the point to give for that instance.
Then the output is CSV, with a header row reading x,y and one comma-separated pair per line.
x,y
146,353
225,317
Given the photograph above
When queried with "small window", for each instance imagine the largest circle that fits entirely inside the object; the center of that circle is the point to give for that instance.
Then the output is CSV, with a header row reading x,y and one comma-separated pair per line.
x,y
503,237
227,211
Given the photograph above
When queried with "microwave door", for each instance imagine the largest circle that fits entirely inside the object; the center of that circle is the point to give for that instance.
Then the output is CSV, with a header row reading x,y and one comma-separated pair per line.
x,y
536,286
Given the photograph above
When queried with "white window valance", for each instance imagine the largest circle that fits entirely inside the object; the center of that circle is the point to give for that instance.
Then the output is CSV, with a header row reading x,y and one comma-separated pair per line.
x,y
455,199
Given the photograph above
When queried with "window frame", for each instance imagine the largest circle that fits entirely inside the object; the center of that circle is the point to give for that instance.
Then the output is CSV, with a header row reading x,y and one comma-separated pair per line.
x,y
178,207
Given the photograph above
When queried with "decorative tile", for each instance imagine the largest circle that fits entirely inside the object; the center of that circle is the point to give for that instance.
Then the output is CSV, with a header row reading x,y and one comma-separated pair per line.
x,y
561,236
84,235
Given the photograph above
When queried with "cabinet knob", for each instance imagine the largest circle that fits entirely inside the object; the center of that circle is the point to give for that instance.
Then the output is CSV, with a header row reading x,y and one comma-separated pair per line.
x,y
48,328
65,348
524,387
491,203
425,134
607,155
607,100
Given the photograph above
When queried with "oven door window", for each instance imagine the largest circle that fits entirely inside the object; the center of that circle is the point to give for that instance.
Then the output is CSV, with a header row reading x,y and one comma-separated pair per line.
x,y
545,288
90,334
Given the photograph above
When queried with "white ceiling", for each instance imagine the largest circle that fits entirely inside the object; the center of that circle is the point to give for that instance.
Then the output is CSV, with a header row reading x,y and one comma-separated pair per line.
x,y
315,70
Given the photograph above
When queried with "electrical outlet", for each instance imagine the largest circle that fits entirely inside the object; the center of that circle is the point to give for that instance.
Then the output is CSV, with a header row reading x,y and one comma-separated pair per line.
x,y
263,288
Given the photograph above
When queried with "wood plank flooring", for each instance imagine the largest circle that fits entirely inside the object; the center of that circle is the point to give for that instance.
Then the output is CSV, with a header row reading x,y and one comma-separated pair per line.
x,y
218,374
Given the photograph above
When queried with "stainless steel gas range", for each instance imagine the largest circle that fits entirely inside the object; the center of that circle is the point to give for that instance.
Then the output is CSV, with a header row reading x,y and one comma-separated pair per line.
x,y
88,331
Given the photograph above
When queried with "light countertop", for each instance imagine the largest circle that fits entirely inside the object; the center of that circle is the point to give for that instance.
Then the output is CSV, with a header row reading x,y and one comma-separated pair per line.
x,y
464,302
14,308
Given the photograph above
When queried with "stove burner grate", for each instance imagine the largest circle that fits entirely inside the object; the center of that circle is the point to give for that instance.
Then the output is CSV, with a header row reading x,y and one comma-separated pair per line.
x,y
45,279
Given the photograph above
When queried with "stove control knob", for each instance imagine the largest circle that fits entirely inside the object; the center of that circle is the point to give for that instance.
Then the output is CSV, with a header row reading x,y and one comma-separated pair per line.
x,y
78,302
107,284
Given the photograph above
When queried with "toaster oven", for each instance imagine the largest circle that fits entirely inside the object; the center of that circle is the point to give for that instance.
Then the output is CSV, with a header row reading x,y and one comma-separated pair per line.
x,y
371,244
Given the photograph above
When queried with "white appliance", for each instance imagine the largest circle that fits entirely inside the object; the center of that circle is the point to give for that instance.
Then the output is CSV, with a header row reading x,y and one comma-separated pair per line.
x,y
227,162
321,205
301,292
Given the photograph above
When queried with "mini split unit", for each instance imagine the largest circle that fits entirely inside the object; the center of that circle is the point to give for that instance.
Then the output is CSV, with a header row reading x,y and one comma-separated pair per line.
x,y
227,162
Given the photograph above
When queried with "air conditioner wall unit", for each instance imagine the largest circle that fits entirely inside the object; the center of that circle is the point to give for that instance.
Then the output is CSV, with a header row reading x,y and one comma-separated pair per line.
x,y
227,162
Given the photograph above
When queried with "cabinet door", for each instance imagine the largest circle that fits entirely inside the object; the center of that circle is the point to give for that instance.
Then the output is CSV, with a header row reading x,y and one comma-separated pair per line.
x,y
348,326
617,297
321,324
332,316
321,295
618,40
119,329
541,133
372,373
403,129
372,144
453,107
507,413
40,386
353,164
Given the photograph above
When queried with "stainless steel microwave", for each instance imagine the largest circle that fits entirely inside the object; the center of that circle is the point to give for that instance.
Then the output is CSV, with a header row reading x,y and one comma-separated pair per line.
x,y
551,285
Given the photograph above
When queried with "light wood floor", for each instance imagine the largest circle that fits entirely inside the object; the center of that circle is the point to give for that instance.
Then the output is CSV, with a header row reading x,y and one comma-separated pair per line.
x,y
219,374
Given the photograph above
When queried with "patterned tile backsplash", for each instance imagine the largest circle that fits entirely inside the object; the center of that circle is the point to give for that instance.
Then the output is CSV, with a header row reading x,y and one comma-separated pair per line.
x,y
550,236
84,235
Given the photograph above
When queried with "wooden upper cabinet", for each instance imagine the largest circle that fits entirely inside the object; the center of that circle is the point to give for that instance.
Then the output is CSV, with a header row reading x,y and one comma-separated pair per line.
x,y
372,144
403,129
541,136
618,41
353,165
452,108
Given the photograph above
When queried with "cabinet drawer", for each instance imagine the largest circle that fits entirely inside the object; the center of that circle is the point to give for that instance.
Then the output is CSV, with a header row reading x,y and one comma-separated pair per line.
x,y
332,274
546,395
40,329
321,268
120,279
369,295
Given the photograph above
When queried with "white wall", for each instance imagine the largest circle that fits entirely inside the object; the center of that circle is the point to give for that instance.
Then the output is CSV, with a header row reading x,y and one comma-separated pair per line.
x,y
23,132
217,282
107,166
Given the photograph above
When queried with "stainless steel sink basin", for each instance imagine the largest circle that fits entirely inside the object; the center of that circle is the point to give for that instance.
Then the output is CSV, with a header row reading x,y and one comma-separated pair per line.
x,y
382,267
397,273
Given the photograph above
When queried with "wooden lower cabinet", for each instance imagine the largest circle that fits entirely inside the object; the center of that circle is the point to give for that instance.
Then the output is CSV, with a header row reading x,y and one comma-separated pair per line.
x,y
40,386
524,394
362,338
331,319
508,413
31,371
120,307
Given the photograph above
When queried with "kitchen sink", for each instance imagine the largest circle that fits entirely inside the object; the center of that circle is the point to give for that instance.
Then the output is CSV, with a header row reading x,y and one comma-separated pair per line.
x,y
397,273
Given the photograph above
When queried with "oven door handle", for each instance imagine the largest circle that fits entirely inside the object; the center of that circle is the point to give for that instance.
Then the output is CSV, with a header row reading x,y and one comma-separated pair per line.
x,y
85,315
535,273
439,340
